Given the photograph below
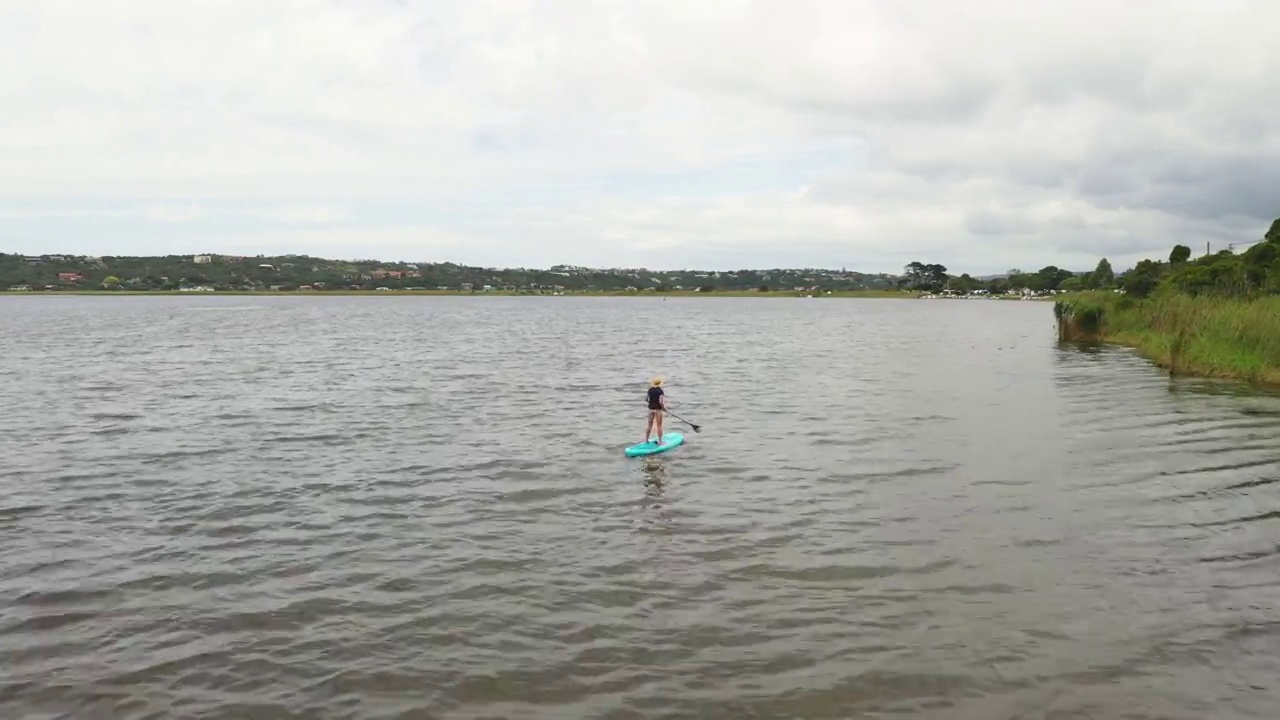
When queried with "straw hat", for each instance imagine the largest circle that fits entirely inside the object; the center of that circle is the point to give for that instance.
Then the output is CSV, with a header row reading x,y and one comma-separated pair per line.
x,y
655,382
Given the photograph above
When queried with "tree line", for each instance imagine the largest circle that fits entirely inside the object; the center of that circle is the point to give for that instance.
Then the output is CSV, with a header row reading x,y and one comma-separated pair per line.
x,y
933,277
1252,273
1226,273
286,273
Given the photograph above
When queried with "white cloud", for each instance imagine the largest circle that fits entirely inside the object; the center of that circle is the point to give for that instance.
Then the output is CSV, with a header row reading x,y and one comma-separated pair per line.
x,y
169,213
981,134
306,215
188,212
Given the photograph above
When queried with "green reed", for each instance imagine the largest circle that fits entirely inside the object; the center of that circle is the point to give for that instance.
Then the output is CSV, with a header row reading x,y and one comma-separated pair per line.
x,y
1197,335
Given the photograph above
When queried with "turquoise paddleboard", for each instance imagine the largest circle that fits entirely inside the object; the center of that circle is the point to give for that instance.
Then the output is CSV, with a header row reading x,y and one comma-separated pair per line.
x,y
669,440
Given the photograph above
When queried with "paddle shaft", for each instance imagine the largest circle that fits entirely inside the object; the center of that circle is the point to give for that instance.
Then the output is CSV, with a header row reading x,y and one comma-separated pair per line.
x,y
695,427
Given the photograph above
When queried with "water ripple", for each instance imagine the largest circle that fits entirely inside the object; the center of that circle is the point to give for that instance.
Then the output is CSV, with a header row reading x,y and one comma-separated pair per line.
x,y
894,508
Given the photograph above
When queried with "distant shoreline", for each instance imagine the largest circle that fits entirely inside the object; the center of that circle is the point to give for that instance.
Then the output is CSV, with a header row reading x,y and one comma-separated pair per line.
x,y
908,295
777,294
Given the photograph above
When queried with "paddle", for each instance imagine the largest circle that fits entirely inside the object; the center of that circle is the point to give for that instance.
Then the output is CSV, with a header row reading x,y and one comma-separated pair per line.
x,y
695,427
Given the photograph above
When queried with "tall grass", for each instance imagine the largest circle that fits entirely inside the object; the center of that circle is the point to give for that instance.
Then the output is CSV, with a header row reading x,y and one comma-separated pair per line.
x,y
1198,335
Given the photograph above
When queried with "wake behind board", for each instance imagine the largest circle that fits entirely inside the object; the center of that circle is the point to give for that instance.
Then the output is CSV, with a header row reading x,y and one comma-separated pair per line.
x,y
669,440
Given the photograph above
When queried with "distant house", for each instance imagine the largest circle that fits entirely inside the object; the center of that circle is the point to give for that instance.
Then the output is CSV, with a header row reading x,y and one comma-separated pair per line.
x,y
202,259
70,277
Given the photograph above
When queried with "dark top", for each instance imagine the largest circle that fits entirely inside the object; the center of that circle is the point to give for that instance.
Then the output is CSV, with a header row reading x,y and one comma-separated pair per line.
x,y
655,398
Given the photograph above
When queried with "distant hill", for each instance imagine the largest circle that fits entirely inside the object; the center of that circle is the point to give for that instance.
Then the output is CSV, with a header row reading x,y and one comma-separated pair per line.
x,y
292,272
213,272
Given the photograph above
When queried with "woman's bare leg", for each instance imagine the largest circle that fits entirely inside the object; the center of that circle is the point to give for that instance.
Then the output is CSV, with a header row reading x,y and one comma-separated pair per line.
x,y
648,426
658,417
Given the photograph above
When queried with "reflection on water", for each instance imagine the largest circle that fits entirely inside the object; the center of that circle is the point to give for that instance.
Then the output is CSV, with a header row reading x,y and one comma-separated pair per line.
x,y
363,508
1113,356
655,474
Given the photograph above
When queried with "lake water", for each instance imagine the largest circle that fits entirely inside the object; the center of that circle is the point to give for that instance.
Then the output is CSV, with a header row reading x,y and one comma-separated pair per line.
x,y
407,507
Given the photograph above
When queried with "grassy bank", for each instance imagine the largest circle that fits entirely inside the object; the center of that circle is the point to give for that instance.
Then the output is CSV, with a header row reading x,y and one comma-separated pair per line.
x,y
1189,335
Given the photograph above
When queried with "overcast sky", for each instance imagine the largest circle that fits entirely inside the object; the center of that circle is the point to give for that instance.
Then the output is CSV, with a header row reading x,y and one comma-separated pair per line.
x,y
984,134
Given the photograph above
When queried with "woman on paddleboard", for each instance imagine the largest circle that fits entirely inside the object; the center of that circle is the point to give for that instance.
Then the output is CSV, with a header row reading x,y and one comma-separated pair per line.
x,y
657,403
